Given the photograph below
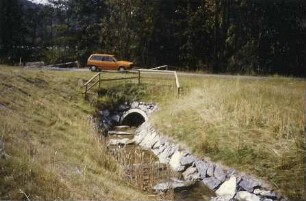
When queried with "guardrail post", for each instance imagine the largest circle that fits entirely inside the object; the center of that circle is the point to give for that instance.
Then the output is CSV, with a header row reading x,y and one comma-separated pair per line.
x,y
85,93
99,80
138,77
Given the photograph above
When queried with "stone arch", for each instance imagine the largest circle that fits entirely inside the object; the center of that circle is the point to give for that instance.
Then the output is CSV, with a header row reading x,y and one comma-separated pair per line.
x,y
133,117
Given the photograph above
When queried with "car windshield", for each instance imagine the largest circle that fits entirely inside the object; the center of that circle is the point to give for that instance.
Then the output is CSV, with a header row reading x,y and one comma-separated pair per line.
x,y
115,60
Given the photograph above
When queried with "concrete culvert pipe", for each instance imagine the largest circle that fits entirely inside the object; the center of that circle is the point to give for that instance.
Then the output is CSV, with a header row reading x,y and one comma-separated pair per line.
x,y
133,117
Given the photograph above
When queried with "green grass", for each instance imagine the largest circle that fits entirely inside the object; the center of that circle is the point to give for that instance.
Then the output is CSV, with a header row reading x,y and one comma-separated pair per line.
x,y
51,147
253,125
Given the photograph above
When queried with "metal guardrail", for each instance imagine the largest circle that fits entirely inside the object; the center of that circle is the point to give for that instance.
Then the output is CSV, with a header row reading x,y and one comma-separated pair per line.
x,y
96,79
166,72
159,67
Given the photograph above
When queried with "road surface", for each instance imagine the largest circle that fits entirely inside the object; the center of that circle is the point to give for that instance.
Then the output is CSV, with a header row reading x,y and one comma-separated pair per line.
x,y
222,76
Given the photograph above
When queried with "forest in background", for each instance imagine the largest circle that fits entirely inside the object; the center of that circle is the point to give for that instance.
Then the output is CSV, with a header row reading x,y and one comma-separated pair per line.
x,y
219,36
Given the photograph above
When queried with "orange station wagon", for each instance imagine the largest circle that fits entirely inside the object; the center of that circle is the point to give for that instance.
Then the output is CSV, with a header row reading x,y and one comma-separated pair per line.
x,y
97,62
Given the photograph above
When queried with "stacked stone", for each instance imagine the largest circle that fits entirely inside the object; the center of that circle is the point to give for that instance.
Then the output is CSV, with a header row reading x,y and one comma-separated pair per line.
x,y
227,183
111,118
148,108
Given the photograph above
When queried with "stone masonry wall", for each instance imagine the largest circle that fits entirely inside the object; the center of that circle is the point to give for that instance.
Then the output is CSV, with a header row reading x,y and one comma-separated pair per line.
x,y
228,184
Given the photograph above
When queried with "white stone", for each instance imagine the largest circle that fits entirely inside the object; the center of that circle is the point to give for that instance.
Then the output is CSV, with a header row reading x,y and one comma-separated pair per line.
x,y
139,136
135,104
142,132
210,170
175,161
173,184
228,188
157,144
149,140
265,193
165,155
246,196
116,142
159,150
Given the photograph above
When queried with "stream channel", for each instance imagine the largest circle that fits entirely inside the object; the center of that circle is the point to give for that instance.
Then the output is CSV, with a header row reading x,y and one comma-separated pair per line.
x,y
142,169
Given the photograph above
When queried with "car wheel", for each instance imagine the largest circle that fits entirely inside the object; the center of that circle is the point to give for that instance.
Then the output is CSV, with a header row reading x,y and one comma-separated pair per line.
x,y
121,69
93,68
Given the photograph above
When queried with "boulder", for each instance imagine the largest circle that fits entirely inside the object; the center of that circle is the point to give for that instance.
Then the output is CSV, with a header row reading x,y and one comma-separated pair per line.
x,y
187,160
231,172
219,173
164,157
179,184
246,196
123,107
143,108
264,193
115,118
162,187
139,136
202,167
141,132
211,182
134,104
248,183
160,149
173,184
175,162
228,188
210,169
191,174
159,143
106,123
149,140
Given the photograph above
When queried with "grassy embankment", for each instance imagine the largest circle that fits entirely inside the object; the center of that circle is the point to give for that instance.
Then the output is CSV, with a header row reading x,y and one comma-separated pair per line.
x,y
253,125
51,149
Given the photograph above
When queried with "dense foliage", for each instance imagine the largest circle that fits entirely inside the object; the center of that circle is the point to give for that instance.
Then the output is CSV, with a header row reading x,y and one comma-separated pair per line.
x,y
237,36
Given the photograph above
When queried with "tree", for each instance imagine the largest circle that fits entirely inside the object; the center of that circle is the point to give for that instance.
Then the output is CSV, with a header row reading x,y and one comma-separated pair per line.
x,y
196,33
238,36
118,34
11,27
77,28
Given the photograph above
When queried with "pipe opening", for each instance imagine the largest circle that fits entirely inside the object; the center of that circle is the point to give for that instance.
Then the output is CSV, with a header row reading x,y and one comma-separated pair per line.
x,y
133,119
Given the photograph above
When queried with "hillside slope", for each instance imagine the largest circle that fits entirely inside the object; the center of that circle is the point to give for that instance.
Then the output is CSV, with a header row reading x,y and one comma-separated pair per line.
x,y
48,145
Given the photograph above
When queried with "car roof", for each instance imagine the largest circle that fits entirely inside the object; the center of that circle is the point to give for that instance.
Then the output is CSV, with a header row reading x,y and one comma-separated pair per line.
x,y
103,55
